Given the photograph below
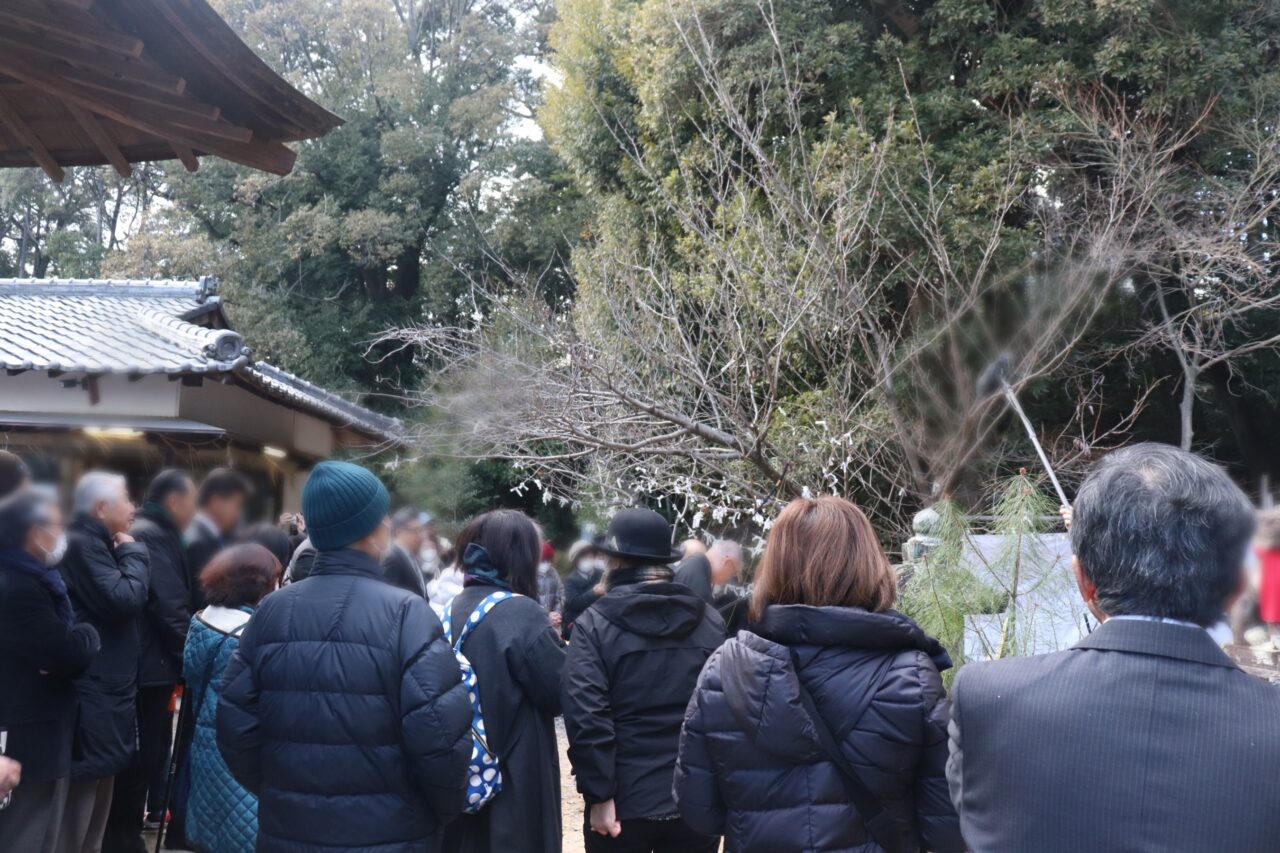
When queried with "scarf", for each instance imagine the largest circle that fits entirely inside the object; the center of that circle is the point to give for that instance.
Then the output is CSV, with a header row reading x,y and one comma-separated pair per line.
x,y
157,513
49,576
625,575
479,566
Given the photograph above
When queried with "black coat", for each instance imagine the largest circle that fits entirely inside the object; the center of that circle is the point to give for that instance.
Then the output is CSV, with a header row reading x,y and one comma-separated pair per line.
x,y
39,656
344,711
518,660
164,623
579,594
695,572
202,546
108,588
400,570
632,666
752,768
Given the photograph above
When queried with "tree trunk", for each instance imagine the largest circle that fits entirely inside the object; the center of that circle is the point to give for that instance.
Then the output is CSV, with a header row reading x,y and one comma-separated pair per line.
x,y
409,271
1187,406
1251,423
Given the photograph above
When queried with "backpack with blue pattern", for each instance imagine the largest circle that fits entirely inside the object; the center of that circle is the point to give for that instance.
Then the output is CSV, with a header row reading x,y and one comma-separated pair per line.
x,y
484,776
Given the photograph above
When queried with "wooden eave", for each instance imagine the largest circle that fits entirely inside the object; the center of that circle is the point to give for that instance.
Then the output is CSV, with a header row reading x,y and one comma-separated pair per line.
x,y
90,82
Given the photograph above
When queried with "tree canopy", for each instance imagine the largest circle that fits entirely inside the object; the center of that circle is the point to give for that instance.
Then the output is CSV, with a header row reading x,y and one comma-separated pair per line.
x,y
720,252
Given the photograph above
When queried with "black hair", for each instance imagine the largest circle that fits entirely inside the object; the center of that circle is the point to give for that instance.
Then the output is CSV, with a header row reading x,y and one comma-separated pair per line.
x,y
272,538
1161,532
13,473
168,482
223,483
20,512
513,544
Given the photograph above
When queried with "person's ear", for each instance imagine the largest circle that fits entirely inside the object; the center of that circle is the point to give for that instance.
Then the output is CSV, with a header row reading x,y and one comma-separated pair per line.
x,y
1088,589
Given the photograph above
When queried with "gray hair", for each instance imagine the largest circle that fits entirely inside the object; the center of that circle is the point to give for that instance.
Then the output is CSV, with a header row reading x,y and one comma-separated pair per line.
x,y
96,486
1161,532
21,511
730,549
403,517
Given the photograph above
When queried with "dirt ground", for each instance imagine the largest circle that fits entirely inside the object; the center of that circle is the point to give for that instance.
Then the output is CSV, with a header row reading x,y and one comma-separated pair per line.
x,y
571,804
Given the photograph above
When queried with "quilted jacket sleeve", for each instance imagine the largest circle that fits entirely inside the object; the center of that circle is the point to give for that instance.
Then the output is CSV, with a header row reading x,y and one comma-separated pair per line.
x,y
238,726
435,711
935,816
588,717
696,791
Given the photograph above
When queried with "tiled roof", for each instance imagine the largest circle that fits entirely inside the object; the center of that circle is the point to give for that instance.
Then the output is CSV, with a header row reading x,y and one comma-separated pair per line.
x,y
97,326
94,326
281,383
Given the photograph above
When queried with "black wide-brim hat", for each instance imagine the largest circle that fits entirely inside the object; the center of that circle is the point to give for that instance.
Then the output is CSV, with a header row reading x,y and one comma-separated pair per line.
x,y
639,535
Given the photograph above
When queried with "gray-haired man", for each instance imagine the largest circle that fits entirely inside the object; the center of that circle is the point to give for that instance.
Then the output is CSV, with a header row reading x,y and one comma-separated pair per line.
x,y
107,576
1145,736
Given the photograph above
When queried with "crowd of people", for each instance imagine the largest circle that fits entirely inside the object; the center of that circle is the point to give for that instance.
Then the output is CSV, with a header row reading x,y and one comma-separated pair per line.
x,y
353,681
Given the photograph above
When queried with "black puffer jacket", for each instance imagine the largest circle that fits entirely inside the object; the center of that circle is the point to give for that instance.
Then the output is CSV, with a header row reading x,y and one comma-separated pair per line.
x,y
632,666
108,589
751,766
164,623
344,711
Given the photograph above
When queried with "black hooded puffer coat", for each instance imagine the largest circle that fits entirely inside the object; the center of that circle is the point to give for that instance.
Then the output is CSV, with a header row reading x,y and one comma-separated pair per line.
x,y
751,766
631,668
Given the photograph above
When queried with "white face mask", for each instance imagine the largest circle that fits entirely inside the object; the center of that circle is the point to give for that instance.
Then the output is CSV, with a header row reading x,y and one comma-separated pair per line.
x,y
53,557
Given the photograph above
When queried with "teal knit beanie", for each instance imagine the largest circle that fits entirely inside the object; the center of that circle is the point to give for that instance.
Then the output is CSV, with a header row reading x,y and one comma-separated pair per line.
x,y
342,503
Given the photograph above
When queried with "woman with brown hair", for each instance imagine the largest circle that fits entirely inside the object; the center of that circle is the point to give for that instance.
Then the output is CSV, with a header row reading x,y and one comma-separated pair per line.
x,y
222,817
822,727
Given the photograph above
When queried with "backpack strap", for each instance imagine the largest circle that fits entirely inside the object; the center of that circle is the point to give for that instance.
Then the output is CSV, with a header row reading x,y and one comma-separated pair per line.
x,y
477,616
883,828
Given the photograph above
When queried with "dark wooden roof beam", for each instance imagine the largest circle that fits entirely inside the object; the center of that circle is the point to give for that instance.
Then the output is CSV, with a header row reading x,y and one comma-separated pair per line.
x,y
180,110
68,23
178,103
127,81
124,70
193,132
201,31
10,119
186,156
101,138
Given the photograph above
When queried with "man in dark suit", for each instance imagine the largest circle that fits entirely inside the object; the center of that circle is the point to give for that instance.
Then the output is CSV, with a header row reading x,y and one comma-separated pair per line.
x,y
399,565
1144,736
221,498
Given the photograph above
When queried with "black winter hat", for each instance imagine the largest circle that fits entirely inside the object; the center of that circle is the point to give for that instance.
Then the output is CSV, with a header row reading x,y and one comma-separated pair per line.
x,y
639,535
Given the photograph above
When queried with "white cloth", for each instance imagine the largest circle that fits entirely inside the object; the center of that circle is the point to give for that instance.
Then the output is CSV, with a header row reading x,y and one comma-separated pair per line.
x,y
441,590
224,619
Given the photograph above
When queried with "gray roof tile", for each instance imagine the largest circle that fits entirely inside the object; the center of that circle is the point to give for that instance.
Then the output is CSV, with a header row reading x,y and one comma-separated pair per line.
x,y
98,326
